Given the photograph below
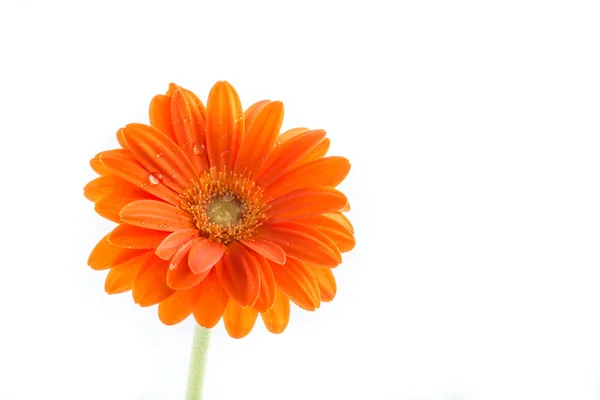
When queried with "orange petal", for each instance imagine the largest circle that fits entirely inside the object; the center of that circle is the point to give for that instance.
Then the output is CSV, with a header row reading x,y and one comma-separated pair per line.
x,y
266,294
181,255
295,281
224,125
329,171
342,220
333,229
266,248
318,152
167,249
98,167
209,300
346,208
325,281
277,318
204,254
189,124
284,156
171,90
105,255
305,202
120,277
104,185
302,242
239,321
180,276
290,133
121,139
150,284
176,308
110,205
134,237
157,215
122,164
259,139
239,274
252,112
160,115
160,155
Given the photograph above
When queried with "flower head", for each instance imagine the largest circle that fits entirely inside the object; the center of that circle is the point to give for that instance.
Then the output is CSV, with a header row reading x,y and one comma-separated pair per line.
x,y
218,214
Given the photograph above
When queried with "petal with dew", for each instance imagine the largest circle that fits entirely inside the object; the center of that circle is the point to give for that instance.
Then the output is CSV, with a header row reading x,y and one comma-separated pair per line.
x,y
259,139
106,255
333,229
239,274
209,300
181,254
302,242
175,308
167,249
120,277
134,237
122,164
160,115
204,254
325,281
180,276
159,154
277,318
266,294
265,248
329,171
295,281
224,125
150,284
284,156
189,125
305,202
157,215
239,321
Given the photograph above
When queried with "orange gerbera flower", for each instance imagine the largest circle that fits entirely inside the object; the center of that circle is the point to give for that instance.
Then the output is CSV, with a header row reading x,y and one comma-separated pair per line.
x,y
218,215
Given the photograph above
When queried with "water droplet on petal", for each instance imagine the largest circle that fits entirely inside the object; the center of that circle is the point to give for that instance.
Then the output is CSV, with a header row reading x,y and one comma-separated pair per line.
x,y
158,154
172,266
155,178
198,148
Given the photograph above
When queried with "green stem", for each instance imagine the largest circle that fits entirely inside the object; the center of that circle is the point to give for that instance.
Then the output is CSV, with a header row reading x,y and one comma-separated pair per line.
x,y
197,363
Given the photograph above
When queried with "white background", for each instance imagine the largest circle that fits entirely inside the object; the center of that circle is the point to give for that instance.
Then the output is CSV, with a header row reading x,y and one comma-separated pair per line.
x,y
473,129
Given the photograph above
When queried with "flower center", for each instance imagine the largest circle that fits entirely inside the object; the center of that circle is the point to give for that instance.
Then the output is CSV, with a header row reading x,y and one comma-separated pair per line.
x,y
225,206
224,211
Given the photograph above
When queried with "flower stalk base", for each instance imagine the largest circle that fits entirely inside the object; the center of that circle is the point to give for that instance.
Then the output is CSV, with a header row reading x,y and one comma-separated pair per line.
x,y
198,363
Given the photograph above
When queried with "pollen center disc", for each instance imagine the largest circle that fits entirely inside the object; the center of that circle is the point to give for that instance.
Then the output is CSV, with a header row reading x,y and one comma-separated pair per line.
x,y
224,211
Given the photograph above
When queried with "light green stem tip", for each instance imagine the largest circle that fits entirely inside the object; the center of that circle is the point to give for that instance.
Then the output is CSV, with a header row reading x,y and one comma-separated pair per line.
x,y
197,363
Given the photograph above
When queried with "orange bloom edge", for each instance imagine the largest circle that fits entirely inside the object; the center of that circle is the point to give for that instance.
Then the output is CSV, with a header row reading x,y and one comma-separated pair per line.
x,y
219,215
